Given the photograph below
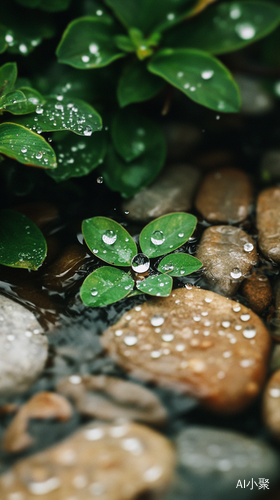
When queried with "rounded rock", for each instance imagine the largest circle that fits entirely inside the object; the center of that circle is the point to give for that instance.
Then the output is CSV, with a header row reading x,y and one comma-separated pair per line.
x,y
257,290
225,195
268,223
23,345
271,404
211,358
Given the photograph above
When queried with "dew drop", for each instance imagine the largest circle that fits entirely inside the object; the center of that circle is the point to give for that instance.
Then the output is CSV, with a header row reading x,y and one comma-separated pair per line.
x,y
236,273
236,308
157,320
235,12
274,392
248,247
167,337
140,263
226,324
85,59
99,180
109,237
24,150
245,317
39,155
181,235
93,48
130,340
245,31
94,292
249,332
157,238
207,74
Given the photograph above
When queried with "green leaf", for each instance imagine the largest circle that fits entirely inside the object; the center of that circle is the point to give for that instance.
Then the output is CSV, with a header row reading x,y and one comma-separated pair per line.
x,y
179,264
226,26
8,76
136,84
22,243
134,133
166,233
21,101
25,146
129,178
200,76
109,241
147,15
63,113
88,42
105,286
77,157
159,285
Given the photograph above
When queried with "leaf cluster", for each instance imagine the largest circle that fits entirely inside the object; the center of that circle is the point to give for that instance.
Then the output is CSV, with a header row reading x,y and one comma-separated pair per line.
x,y
111,243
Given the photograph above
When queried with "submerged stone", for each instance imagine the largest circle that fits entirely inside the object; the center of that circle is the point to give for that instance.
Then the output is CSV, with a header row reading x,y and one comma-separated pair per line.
x,y
23,347
225,195
257,290
110,461
172,191
209,347
268,223
223,250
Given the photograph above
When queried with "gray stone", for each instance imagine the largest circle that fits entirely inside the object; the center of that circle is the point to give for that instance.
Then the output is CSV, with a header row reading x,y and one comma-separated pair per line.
x,y
213,461
172,191
254,98
23,347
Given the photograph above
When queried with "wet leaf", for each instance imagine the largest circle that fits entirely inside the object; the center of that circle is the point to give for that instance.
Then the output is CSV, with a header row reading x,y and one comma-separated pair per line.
x,y
22,243
165,234
25,146
146,15
179,264
63,113
21,101
200,76
77,157
159,285
133,133
8,76
129,178
226,26
109,241
201,5
88,42
105,286
136,84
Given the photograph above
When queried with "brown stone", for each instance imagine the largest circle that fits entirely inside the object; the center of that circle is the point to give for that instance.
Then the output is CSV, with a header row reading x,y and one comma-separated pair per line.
x,y
271,404
41,406
228,255
257,290
109,398
106,461
268,223
172,191
225,196
67,269
196,342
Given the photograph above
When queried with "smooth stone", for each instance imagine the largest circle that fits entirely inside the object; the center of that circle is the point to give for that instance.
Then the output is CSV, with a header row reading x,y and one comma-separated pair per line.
x,y
106,461
67,269
23,347
197,343
258,291
172,191
255,99
43,405
225,195
275,323
271,404
268,223
270,165
221,250
275,358
110,398
181,138
213,461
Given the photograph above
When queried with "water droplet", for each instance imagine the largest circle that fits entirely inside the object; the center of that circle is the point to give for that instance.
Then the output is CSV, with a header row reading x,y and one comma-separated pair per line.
x,y
99,180
226,324
236,308
208,300
274,392
157,238
207,74
85,59
180,74
24,150
155,354
140,263
109,237
245,31
9,38
39,155
23,49
197,317
170,16
39,110
245,317
167,337
235,12
87,130
157,320
236,273
248,247
94,292
181,235
93,48
249,332
130,340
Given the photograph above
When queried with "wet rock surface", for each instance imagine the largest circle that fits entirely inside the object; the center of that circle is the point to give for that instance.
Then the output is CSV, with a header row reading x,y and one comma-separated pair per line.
x,y
225,195
173,191
271,404
110,398
110,462
258,291
268,223
205,454
228,255
43,405
23,348
196,342
68,268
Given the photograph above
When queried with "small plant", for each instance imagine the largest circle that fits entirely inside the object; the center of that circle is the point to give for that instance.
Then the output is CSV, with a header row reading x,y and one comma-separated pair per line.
x,y
110,242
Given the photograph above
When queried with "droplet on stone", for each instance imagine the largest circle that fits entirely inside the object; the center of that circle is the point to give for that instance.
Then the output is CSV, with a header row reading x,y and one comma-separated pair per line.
x,y
236,273
248,247
249,332
157,320
245,317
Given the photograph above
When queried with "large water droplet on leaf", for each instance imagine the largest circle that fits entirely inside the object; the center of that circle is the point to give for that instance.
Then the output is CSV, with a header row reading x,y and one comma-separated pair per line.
x,y
157,238
140,263
109,237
